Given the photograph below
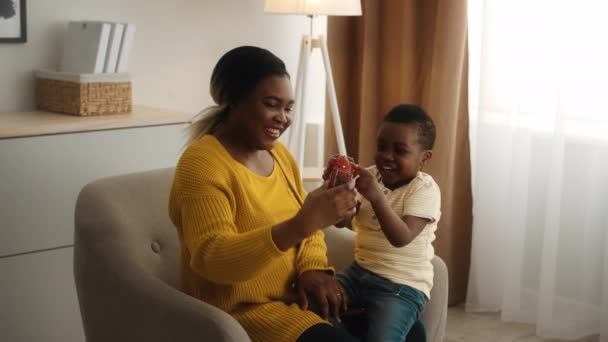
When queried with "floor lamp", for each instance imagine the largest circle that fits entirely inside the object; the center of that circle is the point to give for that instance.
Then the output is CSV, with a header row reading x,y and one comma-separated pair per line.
x,y
312,8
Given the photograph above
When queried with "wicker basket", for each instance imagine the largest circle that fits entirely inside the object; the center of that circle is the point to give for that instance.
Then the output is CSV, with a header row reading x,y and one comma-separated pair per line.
x,y
83,94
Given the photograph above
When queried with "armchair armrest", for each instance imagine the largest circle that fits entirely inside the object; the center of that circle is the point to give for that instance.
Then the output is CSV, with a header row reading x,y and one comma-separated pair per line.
x,y
435,314
129,305
121,293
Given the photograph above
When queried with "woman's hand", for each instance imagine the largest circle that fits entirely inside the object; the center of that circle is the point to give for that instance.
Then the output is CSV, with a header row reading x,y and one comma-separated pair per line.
x,y
348,222
368,185
327,291
324,207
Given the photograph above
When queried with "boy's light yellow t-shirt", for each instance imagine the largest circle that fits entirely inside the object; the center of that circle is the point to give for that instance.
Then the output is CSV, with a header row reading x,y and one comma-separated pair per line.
x,y
409,265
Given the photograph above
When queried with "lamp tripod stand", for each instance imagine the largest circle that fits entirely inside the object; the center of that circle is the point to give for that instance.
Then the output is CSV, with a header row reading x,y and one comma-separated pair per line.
x,y
297,141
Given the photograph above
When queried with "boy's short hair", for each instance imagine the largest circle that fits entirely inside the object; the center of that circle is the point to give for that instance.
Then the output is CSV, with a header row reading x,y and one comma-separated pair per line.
x,y
412,114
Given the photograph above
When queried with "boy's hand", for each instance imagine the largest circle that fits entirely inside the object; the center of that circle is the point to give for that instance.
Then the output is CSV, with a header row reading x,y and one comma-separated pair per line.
x,y
367,185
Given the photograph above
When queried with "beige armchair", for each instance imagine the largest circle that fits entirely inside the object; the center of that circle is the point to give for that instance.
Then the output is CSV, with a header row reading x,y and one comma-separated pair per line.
x,y
126,258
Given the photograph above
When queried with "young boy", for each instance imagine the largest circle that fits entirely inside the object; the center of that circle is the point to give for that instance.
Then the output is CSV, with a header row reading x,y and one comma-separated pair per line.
x,y
392,275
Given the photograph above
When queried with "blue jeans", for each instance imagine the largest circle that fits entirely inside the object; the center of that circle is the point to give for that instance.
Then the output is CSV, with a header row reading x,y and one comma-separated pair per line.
x,y
391,309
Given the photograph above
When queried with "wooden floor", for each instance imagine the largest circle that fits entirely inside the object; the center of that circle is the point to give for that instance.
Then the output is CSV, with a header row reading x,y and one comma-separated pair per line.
x,y
487,327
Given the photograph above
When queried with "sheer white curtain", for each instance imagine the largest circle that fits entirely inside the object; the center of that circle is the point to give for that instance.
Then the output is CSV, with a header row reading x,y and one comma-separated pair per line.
x,y
539,139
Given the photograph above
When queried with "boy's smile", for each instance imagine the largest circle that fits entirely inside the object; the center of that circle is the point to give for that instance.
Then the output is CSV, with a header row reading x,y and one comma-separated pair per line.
x,y
399,154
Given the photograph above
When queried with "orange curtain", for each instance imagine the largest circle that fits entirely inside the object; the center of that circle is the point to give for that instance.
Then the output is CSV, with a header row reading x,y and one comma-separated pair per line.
x,y
411,51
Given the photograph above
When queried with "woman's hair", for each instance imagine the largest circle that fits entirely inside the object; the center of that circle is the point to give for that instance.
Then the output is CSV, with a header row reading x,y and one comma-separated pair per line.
x,y
234,76
412,114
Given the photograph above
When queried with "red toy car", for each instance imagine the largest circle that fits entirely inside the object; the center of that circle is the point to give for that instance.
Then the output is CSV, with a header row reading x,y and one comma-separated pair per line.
x,y
339,170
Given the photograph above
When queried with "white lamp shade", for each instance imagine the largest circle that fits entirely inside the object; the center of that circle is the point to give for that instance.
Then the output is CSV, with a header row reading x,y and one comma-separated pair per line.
x,y
313,7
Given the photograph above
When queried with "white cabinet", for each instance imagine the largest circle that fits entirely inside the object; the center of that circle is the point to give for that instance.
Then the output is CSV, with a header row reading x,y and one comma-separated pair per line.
x,y
38,298
40,179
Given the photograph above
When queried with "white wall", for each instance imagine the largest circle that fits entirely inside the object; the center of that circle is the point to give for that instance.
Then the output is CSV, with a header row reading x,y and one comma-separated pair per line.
x,y
177,43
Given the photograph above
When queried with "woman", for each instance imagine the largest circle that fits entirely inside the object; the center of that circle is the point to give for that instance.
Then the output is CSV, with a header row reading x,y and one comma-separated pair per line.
x,y
250,237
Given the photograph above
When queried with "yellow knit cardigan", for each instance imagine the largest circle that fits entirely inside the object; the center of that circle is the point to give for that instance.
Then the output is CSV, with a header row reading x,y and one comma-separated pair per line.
x,y
229,259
